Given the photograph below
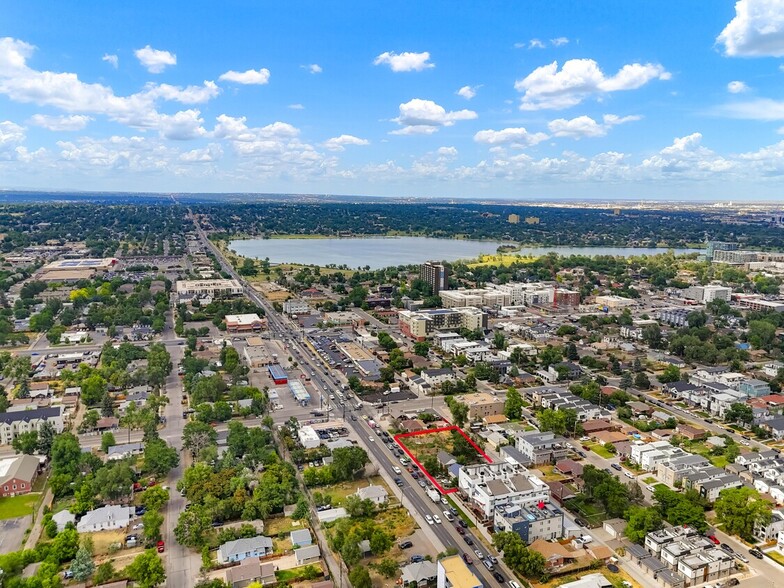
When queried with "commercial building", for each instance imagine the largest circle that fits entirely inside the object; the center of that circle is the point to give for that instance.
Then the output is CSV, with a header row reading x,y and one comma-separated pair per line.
x,y
187,289
423,324
755,302
489,486
23,421
277,373
295,306
513,219
73,270
542,521
308,437
735,257
17,474
612,302
436,275
708,293
299,392
454,573
482,404
236,323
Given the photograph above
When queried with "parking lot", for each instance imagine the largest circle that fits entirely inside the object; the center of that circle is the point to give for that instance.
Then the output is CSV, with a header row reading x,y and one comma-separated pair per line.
x,y
12,533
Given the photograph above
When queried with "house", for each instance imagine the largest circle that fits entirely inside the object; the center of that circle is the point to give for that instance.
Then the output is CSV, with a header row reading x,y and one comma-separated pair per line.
x,y
17,474
306,555
436,377
691,433
775,427
589,581
540,521
301,537
376,494
240,549
539,448
105,518
124,450
331,514
555,554
639,408
422,573
40,390
249,571
62,518
595,425
569,467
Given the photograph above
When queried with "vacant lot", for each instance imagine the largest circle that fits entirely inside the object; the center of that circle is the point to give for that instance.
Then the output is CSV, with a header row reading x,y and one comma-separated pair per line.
x,y
339,492
18,506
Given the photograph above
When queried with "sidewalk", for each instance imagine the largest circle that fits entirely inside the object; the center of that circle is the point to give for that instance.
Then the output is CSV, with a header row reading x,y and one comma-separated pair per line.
x,y
35,532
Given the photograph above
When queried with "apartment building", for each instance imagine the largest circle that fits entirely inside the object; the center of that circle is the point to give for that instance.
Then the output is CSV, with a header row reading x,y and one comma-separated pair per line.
x,y
542,521
454,573
187,289
482,404
613,302
708,293
15,423
673,471
542,447
423,324
436,275
295,306
489,486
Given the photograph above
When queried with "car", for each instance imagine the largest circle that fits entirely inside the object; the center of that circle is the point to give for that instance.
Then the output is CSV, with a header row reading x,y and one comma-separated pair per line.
x,y
616,466
415,475
756,553
453,510
371,439
353,417
397,470
138,526
462,523
499,578
444,501
467,558
493,559
429,519
468,540
742,558
67,574
726,548
160,546
628,474
581,522
422,483
437,519
449,516
417,558
713,539
403,461
460,530
513,584
488,564
479,554
399,481
405,544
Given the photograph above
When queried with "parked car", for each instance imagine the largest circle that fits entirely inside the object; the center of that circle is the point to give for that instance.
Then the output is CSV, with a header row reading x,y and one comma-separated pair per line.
x,y
499,578
417,558
448,515
488,564
726,548
467,558
160,546
462,523
405,544
713,539
460,530
468,540
756,553
616,466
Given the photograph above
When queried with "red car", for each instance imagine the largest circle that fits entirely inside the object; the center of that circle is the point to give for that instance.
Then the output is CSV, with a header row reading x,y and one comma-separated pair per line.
x,y
713,539
467,559
160,545
460,530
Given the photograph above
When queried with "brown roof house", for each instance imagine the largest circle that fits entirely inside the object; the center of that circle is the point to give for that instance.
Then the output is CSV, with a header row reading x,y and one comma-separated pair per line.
x,y
610,437
691,433
596,425
569,467
555,554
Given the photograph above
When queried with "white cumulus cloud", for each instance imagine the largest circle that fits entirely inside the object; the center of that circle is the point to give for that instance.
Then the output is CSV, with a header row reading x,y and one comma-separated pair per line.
x,y
313,68
113,60
737,87
187,95
74,122
155,60
518,137
339,143
467,92
756,31
408,61
586,127
547,87
419,116
250,77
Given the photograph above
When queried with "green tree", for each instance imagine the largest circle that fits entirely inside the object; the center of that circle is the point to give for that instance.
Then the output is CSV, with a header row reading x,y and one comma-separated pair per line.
x,y
193,526
641,381
387,567
421,348
671,373
360,577
65,545
107,405
513,406
82,566
499,340
93,389
350,551
762,334
518,557
104,573
26,442
107,441
152,521
459,411
196,436
380,542
302,510
552,420
642,521
154,497
739,413
347,461
626,381
147,570
159,458
738,509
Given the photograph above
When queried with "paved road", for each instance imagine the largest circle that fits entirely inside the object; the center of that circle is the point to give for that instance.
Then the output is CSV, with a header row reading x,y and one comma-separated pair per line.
x,y
418,503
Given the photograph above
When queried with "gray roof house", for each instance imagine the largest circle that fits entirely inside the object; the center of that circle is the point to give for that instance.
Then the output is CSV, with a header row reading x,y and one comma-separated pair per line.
x,y
423,573
306,555
62,518
240,549
378,494
301,537
106,518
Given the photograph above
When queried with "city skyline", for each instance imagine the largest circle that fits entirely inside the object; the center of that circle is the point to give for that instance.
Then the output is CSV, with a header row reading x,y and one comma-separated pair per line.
x,y
450,100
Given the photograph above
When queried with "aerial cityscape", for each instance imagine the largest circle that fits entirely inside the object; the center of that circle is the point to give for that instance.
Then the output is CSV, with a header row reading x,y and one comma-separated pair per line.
x,y
452,295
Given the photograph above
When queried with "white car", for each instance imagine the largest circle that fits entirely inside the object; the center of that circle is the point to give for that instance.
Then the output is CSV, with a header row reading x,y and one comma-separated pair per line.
x,y
397,470
371,439
138,526
444,501
437,519
429,519
448,515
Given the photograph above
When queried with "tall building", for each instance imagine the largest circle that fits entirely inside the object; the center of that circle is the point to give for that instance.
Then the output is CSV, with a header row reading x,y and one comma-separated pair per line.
x,y
436,274
714,246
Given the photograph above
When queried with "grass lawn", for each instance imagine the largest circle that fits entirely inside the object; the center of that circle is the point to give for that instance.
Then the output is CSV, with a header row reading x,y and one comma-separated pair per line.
x,y
601,451
592,513
650,480
103,539
18,506
276,525
397,521
338,492
310,571
718,460
503,259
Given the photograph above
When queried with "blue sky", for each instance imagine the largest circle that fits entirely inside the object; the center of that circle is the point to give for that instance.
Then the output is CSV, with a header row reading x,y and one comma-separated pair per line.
x,y
535,99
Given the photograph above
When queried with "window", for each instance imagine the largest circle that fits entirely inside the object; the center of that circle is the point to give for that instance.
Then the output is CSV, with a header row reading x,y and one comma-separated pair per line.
x,y
14,486
23,485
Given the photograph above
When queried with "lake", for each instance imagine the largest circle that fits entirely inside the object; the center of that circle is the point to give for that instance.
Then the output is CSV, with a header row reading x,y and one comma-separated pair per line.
x,y
380,252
